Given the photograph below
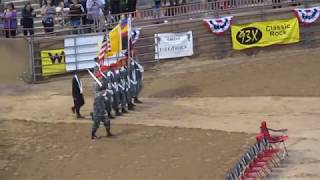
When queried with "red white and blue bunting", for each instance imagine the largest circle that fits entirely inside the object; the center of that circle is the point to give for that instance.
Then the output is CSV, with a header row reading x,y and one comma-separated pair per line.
x,y
307,15
219,25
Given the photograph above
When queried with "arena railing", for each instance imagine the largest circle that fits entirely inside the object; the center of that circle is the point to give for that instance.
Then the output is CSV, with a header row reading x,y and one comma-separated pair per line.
x,y
151,16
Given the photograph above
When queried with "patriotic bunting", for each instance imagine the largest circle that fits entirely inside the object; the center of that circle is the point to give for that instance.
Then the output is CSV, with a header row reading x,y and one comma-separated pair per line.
x,y
219,25
307,15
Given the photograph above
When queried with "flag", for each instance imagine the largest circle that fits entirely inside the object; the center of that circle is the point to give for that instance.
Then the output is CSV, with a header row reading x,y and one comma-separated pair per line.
x,y
115,41
105,47
124,33
135,35
124,27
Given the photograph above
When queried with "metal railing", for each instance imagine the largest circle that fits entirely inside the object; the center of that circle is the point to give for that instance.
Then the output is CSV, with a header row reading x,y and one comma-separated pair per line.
x,y
149,16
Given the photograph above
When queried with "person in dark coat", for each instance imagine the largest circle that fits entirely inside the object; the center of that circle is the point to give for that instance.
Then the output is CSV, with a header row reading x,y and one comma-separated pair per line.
x,y
27,19
77,94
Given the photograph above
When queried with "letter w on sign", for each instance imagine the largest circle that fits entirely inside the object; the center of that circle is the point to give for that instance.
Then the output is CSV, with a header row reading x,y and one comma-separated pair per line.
x,y
56,57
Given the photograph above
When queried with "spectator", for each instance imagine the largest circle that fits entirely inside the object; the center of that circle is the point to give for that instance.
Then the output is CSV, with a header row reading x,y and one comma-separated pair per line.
x,y
1,21
48,12
132,5
76,12
27,19
157,8
115,6
10,21
61,13
277,2
84,18
95,13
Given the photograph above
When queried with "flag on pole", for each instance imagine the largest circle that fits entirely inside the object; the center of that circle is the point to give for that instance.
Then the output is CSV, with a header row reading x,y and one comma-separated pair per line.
x,y
116,42
105,47
135,34
124,23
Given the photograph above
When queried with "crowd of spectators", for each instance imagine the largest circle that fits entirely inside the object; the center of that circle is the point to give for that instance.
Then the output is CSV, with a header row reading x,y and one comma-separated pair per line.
x,y
74,13
84,16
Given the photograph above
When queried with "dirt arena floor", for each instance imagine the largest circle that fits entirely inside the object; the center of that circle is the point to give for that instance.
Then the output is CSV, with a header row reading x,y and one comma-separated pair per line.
x,y
197,118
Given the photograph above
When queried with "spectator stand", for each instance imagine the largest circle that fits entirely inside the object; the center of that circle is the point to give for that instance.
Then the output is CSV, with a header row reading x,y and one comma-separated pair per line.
x,y
147,16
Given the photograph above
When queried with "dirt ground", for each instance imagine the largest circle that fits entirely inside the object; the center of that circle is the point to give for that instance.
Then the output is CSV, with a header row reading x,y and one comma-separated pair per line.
x,y
32,150
224,100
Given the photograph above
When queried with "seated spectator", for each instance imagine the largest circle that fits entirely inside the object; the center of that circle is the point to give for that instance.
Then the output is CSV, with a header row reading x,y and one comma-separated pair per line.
x,y
27,19
10,21
76,12
48,12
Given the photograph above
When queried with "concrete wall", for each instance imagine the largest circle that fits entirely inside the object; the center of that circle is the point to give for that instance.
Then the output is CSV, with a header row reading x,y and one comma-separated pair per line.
x,y
14,60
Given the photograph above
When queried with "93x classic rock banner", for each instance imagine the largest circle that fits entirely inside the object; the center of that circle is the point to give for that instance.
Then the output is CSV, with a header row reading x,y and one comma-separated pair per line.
x,y
261,34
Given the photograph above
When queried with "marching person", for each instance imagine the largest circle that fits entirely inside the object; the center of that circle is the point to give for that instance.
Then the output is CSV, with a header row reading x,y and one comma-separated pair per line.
x,y
107,83
77,94
99,114
136,71
129,85
115,78
123,88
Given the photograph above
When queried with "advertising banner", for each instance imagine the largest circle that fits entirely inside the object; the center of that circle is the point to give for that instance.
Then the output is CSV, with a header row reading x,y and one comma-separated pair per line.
x,y
261,34
53,62
173,45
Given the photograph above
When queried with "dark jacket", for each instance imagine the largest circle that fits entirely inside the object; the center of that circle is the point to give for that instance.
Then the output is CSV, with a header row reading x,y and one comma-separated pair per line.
x,y
76,94
27,18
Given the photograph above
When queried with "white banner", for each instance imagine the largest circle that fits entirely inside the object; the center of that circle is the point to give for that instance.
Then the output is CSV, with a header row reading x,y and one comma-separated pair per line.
x,y
80,52
173,45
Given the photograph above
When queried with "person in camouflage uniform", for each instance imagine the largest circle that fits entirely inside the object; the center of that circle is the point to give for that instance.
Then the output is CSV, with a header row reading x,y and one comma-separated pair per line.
x,y
136,71
122,88
99,114
106,81
115,78
129,84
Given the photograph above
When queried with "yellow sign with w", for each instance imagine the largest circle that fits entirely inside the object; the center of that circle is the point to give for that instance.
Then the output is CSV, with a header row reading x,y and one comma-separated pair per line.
x,y
53,62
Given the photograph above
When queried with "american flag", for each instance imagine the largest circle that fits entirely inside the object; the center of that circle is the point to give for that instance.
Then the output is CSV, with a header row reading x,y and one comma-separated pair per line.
x,y
105,47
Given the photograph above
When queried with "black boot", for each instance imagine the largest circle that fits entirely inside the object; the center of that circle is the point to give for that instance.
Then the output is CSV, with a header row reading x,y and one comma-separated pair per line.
x,y
73,110
124,110
118,113
93,135
110,115
79,116
130,107
109,134
136,100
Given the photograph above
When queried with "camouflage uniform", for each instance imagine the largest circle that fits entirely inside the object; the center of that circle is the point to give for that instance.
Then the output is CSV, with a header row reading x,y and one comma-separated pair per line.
x,y
99,115
123,89
115,78
107,85
129,87
136,71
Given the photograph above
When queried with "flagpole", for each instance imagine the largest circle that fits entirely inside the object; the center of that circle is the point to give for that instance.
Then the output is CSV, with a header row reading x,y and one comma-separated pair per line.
x,y
108,45
129,37
120,38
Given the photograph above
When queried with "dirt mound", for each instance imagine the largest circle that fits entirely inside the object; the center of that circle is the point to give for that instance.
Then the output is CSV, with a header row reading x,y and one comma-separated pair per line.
x,y
289,73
